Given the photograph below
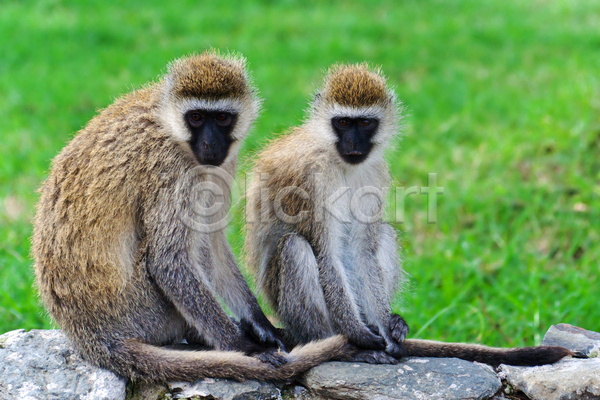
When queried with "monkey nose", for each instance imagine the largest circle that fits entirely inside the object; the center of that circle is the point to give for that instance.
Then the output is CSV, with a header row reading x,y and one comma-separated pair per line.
x,y
353,153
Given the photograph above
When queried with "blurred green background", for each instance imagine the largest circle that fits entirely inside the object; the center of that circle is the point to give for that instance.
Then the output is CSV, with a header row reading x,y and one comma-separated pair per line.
x,y
502,100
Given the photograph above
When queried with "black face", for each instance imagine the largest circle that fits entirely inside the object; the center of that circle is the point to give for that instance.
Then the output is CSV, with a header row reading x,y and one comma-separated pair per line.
x,y
211,134
354,137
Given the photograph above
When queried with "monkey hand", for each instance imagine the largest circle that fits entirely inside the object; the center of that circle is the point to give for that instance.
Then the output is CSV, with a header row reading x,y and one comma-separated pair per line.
x,y
263,332
366,339
393,347
274,357
374,357
398,327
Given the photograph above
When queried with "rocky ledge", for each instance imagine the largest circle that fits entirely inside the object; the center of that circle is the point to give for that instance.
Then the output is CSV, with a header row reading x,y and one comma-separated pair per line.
x,y
39,365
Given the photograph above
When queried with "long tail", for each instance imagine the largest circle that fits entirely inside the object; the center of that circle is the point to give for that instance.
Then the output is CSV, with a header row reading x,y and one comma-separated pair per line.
x,y
152,363
526,356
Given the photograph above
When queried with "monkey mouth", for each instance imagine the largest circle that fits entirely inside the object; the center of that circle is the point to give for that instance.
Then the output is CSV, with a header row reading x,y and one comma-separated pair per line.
x,y
354,157
214,160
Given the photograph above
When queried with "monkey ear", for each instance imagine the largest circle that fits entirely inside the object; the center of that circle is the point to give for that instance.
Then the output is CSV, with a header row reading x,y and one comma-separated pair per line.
x,y
317,100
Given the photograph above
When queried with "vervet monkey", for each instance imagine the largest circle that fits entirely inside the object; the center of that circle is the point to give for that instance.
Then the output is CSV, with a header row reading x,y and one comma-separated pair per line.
x,y
129,249
325,259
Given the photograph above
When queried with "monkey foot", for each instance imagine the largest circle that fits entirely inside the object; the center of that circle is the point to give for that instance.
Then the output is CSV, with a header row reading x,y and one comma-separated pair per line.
x,y
398,327
273,357
374,357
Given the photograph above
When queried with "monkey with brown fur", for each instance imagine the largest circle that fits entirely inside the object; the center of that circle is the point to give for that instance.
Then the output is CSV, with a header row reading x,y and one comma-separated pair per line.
x,y
130,254
325,259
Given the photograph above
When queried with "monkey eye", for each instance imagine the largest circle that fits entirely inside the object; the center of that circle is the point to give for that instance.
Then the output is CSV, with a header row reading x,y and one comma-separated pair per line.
x,y
365,122
195,118
223,119
342,122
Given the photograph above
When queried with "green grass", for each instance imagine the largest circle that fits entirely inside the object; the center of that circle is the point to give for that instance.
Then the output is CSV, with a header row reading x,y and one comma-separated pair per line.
x,y
503,103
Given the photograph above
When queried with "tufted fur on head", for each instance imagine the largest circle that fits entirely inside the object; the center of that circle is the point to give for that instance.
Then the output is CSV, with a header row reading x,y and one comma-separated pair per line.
x,y
355,86
208,81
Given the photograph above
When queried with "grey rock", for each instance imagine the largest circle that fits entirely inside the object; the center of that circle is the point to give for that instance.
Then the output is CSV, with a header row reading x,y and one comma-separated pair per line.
x,y
567,379
41,364
413,378
146,391
300,393
573,338
217,389
223,389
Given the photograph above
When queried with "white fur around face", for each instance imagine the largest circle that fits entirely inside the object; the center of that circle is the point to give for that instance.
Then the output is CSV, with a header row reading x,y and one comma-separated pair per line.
x,y
388,116
173,111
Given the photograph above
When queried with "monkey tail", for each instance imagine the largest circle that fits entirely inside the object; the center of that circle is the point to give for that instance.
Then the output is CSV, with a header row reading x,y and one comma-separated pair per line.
x,y
152,363
525,356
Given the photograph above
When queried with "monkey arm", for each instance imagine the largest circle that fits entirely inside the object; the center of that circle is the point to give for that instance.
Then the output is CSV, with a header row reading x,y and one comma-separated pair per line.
x,y
342,307
191,297
177,258
376,266
230,285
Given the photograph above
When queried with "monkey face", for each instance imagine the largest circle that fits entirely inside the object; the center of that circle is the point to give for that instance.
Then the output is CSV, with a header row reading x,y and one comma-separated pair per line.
x,y
354,137
211,134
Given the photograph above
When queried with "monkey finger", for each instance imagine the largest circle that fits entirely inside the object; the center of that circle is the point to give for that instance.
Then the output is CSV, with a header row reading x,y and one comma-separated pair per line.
x,y
374,329
374,357
252,331
270,340
368,340
279,344
273,357
262,335
396,350
398,327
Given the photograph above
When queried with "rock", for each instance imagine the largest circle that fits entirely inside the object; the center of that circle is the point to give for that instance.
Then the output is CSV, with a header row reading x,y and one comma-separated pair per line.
x,y
573,338
567,379
299,393
41,364
413,378
223,389
217,389
146,391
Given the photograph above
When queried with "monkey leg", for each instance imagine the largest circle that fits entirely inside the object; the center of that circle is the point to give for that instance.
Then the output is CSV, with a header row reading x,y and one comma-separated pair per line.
x,y
376,277
301,303
389,262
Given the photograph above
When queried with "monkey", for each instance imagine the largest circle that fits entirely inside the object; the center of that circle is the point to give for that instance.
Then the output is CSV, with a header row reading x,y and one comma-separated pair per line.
x,y
131,257
324,258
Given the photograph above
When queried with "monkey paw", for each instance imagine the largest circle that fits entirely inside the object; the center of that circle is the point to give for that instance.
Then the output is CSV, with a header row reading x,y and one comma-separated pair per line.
x,y
261,334
374,357
273,357
398,327
367,340
396,350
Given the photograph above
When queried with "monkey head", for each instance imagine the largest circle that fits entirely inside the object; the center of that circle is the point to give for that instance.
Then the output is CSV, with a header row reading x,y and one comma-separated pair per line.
x,y
358,112
208,103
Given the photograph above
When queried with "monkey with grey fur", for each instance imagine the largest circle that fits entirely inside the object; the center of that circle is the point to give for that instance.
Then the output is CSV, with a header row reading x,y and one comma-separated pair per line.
x,y
129,246
325,259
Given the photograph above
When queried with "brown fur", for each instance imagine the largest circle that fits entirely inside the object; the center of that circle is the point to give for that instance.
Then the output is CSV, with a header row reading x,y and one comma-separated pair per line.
x,y
116,265
355,85
211,77
527,356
